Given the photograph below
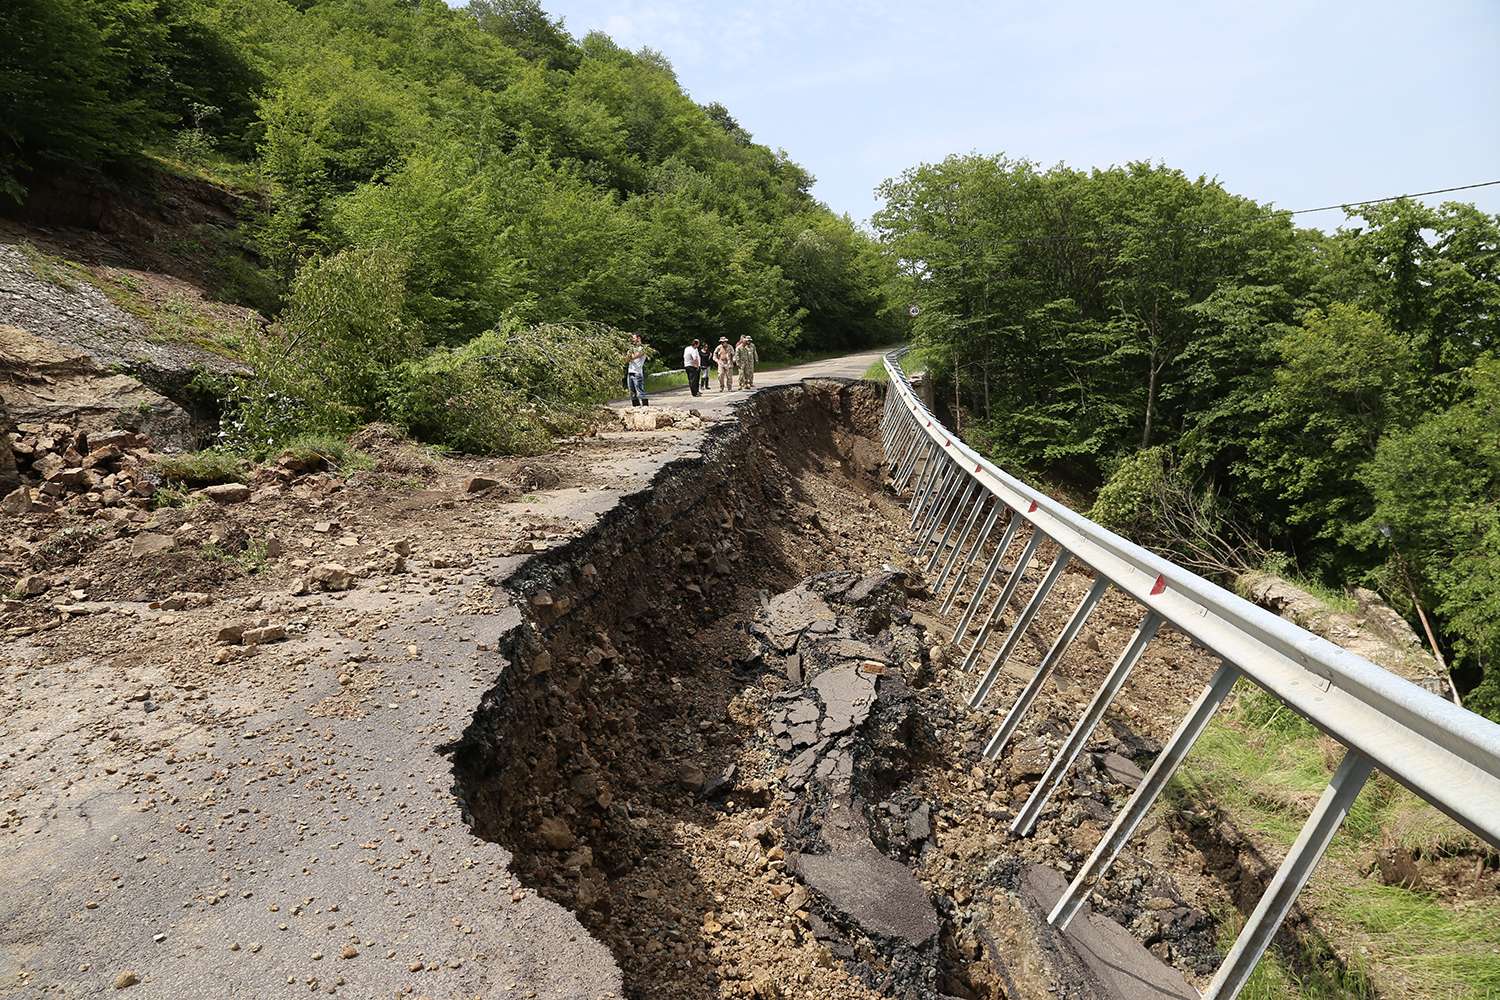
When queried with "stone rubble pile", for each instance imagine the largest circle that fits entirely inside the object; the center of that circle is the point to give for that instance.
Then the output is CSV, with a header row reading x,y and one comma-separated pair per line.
x,y
652,418
84,470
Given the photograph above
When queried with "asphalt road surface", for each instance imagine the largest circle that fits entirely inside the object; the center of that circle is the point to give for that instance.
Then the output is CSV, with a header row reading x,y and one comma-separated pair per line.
x,y
278,828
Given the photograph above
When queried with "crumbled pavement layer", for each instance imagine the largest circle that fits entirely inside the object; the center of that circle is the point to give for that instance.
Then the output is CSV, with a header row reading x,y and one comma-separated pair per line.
x,y
613,678
851,736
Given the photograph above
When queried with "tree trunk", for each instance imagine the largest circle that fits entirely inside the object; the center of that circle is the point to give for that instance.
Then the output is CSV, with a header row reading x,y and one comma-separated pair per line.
x,y
1150,401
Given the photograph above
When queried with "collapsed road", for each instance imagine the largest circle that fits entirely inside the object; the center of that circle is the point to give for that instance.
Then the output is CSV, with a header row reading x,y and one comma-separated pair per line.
x,y
694,734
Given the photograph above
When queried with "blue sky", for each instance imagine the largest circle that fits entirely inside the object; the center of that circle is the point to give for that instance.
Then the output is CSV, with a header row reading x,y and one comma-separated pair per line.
x,y
1302,104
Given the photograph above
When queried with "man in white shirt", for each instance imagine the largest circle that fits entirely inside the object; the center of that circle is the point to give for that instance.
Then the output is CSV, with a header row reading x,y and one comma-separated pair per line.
x,y
692,360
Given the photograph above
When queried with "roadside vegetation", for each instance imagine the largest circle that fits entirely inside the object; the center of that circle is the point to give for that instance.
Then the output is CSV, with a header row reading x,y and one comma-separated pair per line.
x,y
1259,768
1236,392
474,196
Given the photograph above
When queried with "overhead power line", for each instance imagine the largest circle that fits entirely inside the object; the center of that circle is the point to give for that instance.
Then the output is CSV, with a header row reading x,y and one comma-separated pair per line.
x,y
1231,222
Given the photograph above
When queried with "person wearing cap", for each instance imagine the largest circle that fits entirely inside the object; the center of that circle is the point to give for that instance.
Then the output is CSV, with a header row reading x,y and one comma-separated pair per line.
x,y
746,358
692,363
724,358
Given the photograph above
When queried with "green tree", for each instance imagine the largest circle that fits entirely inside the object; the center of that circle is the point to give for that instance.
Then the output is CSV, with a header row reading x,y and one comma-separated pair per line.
x,y
1436,487
329,126
525,27
1344,381
1432,273
1074,308
330,362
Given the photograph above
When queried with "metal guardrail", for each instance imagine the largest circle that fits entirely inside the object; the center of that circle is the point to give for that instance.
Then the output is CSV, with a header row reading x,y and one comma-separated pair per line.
x,y
1445,754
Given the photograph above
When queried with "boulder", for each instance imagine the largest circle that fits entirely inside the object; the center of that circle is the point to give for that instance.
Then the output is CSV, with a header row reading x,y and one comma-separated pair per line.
x,y
53,383
690,777
554,830
32,586
332,576
228,493
17,501
476,484
639,419
263,635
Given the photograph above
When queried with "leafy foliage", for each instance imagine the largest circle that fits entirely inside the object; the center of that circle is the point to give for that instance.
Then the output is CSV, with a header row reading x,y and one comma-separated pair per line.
x,y
95,81
523,172
512,389
1080,312
1240,392
1436,486
331,362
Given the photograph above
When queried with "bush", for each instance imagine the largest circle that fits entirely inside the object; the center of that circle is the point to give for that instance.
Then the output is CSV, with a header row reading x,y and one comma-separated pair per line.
x,y
511,389
1124,502
332,361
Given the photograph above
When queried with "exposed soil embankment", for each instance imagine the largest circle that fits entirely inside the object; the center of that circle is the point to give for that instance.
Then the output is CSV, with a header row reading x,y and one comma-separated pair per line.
x,y
729,743
624,707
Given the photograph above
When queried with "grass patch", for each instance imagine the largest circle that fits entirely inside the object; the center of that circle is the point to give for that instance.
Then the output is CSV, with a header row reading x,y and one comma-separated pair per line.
x,y
661,381
1262,767
912,361
1336,600
172,317
177,497
63,273
199,468
211,166
1439,951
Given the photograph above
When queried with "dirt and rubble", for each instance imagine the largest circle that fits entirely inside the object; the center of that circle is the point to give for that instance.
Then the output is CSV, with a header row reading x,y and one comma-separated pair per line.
x,y
670,712
759,780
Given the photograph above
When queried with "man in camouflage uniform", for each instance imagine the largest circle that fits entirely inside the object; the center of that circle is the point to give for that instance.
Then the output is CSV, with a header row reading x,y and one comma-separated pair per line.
x,y
746,357
724,358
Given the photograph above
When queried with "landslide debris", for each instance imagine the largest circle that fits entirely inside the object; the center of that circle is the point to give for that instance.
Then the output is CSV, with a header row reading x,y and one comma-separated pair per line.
x,y
733,748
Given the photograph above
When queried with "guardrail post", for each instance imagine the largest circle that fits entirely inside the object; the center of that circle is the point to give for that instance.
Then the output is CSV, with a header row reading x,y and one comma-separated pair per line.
x,y
1017,630
984,580
903,471
1124,826
1011,583
963,536
1290,878
892,430
954,516
903,440
1026,819
1043,670
926,482
938,500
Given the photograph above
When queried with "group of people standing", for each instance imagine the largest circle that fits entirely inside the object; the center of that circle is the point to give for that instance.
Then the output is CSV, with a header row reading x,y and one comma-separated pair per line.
x,y
740,359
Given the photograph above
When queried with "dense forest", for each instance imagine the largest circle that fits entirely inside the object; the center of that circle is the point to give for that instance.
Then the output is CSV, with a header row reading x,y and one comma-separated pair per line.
x,y
1237,392
459,213
467,198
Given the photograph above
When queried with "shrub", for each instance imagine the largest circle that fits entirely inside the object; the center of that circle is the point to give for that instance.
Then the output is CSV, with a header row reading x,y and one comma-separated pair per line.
x,y
510,390
331,362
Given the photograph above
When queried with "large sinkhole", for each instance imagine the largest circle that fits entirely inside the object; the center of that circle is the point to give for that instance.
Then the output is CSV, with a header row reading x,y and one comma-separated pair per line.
x,y
723,740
